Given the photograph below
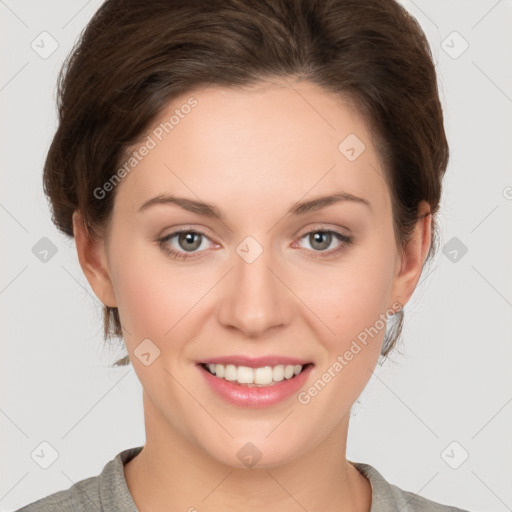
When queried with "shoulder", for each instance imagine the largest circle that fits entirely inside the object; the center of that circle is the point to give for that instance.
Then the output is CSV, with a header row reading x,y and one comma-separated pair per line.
x,y
105,492
387,497
79,496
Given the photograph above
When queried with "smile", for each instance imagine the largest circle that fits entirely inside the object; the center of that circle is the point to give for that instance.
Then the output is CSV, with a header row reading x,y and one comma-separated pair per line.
x,y
255,386
254,377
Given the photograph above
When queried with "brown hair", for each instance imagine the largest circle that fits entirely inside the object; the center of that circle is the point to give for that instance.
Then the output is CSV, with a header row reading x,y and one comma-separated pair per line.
x,y
135,56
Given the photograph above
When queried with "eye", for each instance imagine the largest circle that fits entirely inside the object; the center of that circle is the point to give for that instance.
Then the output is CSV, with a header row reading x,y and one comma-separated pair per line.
x,y
321,239
187,241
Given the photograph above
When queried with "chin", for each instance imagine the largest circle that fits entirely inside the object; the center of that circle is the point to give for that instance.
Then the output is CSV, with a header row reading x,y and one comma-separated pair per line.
x,y
258,454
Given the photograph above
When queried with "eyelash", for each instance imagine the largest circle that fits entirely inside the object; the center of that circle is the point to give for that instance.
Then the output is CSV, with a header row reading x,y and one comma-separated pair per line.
x,y
178,255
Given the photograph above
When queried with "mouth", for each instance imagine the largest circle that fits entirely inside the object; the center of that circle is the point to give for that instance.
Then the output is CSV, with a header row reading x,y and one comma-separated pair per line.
x,y
264,376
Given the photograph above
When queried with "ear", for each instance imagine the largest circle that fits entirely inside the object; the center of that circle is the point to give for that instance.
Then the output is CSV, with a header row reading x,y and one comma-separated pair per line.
x,y
93,260
410,261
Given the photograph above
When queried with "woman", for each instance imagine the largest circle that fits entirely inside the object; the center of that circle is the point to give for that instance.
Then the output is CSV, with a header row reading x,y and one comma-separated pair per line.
x,y
298,147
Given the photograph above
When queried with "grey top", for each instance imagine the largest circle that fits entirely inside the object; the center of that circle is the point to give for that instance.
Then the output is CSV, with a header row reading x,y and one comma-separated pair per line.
x,y
108,492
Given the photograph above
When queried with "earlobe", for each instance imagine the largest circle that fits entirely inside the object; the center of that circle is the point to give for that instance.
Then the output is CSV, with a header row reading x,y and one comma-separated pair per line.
x,y
93,260
413,256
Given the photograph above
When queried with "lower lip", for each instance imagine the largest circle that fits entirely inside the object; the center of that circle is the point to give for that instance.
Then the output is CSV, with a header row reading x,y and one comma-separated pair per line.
x,y
264,396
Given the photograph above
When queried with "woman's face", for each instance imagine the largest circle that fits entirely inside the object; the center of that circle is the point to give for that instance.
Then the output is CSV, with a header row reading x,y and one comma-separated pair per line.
x,y
258,280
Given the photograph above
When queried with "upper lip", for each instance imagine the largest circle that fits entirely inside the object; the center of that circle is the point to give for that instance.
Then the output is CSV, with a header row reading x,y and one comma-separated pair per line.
x,y
255,362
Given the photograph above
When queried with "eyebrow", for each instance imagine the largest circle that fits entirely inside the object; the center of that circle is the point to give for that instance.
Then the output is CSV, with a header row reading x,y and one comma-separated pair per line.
x,y
209,210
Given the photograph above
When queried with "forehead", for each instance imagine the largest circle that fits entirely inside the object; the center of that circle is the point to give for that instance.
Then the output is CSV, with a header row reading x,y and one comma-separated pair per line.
x,y
272,142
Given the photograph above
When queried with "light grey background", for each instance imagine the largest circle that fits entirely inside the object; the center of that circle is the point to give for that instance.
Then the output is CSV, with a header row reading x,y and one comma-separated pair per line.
x,y
453,381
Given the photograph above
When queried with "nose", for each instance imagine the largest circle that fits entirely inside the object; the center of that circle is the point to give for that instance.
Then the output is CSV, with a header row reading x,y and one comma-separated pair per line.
x,y
254,299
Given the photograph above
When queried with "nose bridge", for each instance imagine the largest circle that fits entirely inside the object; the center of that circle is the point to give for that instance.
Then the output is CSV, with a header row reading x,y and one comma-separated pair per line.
x,y
255,299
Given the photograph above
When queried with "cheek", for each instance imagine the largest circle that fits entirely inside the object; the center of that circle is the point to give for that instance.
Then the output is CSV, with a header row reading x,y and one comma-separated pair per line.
x,y
356,296
157,298
353,300
149,296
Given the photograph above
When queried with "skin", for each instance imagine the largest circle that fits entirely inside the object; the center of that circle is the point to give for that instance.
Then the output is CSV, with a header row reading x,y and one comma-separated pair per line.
x,y
253,153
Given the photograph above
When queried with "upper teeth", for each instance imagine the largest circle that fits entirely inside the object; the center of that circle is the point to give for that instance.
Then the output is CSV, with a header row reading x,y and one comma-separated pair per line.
x,y
258,376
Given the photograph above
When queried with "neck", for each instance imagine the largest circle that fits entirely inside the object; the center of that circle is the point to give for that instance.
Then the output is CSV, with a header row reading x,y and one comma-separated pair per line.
x,y
172,473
